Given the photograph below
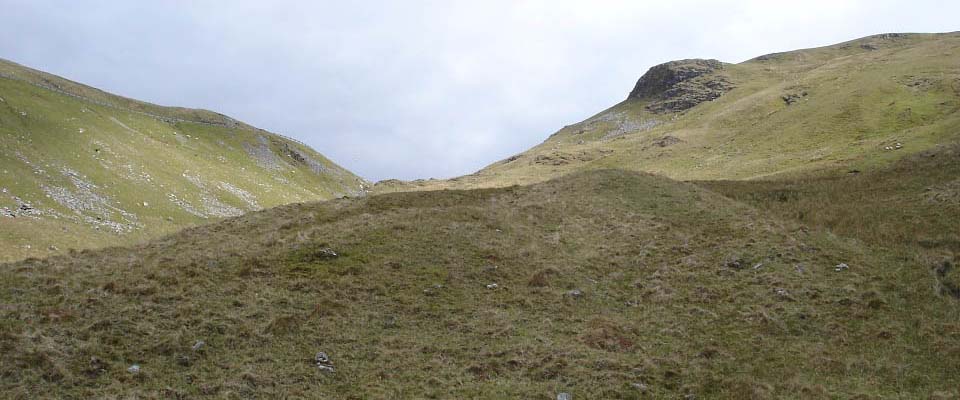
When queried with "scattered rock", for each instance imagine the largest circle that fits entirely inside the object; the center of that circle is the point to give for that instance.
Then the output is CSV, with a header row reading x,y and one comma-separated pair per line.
x,y
492,286
325,253
198,345
738,263
263,155
134,369
323,362
97,366
512,159
639,386
564,396
794,97
666,141
841,267
575,293
758,266
316,166
625,125
562,158
432,290
799,268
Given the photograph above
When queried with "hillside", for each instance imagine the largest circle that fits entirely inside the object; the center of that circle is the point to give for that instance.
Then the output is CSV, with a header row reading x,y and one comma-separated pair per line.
x,y
602,284
82,168
855,105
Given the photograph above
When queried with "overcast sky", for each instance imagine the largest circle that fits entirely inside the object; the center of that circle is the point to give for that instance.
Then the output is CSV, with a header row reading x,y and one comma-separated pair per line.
x,y
417,89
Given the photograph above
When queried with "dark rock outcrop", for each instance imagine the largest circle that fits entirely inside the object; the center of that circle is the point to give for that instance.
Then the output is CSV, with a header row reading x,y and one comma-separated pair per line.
x,y
680,85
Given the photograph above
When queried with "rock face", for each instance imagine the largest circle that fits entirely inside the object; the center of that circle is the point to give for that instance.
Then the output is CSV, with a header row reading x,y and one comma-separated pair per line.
x,y
680,85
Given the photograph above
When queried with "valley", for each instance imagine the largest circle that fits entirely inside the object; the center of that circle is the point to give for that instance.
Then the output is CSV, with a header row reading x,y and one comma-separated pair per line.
x,y
784,228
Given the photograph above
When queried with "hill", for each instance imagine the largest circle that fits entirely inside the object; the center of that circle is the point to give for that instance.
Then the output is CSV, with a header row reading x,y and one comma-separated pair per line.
x,y
602,284
856,105
84,168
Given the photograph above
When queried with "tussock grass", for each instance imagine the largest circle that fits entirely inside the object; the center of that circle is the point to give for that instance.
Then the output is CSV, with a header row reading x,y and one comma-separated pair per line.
x,y
908,206
404,309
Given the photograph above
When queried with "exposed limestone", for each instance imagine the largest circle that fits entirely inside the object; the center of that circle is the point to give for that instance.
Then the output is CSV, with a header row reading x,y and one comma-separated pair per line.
x,y
212,205
243,195
628,126
263,155
92,207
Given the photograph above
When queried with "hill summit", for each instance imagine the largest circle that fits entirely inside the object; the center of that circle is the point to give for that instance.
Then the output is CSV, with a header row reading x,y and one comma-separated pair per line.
x,y
681,85
857,105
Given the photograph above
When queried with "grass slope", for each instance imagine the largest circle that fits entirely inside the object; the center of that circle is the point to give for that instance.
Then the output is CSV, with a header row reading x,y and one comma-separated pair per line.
x,y
100,169
609,284
790,113
911,207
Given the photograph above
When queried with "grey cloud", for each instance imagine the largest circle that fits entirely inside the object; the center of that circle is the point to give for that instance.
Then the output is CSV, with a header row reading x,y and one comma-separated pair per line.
x,y
416,89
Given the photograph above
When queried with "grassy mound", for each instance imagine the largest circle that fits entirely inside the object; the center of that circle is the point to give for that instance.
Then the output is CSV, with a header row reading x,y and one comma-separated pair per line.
x,y
603,284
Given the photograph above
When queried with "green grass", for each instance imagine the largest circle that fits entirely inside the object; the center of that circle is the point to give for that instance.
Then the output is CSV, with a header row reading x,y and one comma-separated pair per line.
x,y
404,310
857,102
133,158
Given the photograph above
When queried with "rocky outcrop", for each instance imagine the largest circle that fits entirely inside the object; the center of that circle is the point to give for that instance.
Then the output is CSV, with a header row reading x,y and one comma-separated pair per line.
x,y
680,85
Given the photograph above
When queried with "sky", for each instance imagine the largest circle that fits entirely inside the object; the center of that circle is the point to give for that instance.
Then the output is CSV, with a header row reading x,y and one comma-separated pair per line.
x,y
418,89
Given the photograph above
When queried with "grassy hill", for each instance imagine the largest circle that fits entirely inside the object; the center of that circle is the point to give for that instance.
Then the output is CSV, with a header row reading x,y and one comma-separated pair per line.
x,y
82,168
603,284
855,105
811,253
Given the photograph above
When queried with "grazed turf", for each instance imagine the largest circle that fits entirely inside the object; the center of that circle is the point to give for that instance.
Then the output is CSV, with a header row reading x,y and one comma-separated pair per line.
x,y
85,162
851,101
